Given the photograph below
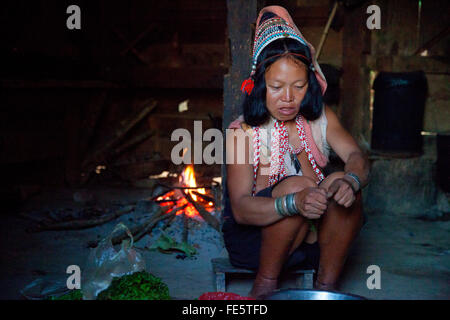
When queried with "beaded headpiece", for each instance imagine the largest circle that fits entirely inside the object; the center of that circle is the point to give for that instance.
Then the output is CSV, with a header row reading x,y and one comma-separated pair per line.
x,y
269,31
278,27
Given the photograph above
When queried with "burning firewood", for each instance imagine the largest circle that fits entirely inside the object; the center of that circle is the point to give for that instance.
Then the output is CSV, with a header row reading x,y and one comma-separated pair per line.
x,y
204,197
210,219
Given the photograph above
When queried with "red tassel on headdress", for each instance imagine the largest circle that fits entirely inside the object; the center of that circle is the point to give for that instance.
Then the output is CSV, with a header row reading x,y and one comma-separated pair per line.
x,y
247,85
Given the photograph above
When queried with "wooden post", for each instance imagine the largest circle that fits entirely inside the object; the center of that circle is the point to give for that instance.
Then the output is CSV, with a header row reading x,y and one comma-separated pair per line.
x,y
240,17
354,111
240,36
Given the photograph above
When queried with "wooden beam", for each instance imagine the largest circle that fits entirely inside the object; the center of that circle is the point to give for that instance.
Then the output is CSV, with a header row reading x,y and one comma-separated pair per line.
x,y
354,111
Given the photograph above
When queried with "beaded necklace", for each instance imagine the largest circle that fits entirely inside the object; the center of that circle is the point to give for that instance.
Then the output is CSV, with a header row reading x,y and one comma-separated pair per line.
x,y
279,146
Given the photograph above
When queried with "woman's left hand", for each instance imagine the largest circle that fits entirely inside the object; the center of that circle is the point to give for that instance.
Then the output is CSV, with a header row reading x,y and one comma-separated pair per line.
x,y
341,191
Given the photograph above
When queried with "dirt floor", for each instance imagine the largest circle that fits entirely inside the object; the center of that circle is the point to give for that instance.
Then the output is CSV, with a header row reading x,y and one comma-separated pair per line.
x,y
413,255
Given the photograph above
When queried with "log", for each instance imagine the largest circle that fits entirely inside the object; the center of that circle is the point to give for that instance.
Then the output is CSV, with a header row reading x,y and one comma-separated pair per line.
x,y
141,230
211,220
203,196
154,220
80,224
183,188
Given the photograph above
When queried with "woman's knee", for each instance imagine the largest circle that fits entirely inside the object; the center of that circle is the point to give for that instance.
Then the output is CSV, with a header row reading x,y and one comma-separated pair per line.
x,y
293,184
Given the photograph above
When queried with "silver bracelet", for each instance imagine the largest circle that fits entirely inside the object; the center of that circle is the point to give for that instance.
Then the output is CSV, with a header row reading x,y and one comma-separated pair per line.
x,y
292,207
355,177
277,209
279,206
285,206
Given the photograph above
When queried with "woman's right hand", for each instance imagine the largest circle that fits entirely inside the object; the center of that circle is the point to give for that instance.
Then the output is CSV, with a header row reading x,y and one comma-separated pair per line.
x,y
311,202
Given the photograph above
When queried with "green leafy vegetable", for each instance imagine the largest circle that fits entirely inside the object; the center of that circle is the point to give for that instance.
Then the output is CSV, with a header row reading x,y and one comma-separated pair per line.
x,y
137,286
72,295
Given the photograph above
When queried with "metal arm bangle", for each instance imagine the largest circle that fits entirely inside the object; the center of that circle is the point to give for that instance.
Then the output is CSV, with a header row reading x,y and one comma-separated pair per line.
x,y
354,177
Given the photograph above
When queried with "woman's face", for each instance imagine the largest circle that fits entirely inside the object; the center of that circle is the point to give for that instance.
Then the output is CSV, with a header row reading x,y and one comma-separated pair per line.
x,y
287,84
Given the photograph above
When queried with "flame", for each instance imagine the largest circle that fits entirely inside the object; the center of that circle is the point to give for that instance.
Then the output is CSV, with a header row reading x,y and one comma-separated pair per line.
x,y
186,179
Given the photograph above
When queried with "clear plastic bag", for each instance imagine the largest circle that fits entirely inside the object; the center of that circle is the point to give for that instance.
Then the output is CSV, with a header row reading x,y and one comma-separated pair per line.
x,y
105,262
46,287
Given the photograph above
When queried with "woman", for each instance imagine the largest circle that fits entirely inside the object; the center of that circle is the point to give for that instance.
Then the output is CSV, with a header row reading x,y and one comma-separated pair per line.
x,y
281,211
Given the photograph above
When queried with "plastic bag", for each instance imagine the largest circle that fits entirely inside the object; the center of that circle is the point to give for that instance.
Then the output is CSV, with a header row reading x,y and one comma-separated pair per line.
x,y
105,262
46,287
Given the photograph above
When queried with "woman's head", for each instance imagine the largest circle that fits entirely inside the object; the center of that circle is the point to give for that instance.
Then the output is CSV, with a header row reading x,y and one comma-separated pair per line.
x,y
284,84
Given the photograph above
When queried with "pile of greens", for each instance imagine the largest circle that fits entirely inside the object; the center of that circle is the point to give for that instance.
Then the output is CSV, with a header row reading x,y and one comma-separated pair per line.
x,y
72,295
137,286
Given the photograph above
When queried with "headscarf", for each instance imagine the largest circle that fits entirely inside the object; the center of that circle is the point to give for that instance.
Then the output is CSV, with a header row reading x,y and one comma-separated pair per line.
x,y
281,26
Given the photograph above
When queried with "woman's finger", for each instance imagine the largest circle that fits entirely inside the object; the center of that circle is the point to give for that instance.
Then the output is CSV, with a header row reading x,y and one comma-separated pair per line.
x,y
312,209
346,198
349,203
319,206
311,216
332,189
317,195
343,191
339,195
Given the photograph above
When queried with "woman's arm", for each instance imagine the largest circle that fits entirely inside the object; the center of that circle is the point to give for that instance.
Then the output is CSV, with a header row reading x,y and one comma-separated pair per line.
x,y
347,149
343,190
260,211
246,208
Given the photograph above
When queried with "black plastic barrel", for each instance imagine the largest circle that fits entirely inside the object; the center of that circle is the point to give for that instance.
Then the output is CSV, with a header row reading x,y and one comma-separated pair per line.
x,y
443,160
398,110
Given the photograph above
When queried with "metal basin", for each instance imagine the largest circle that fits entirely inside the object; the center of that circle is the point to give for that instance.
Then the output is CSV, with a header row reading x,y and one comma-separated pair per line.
x,y
304,294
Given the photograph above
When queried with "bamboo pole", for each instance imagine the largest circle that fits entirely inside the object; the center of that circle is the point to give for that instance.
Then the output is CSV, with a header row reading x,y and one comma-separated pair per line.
x,y
325,31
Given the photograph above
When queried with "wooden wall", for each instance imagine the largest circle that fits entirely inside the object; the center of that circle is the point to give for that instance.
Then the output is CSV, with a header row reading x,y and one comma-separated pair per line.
x,y
394,48
67,93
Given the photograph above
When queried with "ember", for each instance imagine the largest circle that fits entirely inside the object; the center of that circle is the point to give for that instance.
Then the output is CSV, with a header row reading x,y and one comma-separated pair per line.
x,y
188,184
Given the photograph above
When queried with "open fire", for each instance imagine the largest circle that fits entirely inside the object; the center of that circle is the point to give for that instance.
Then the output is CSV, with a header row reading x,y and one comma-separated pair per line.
x,y
187,184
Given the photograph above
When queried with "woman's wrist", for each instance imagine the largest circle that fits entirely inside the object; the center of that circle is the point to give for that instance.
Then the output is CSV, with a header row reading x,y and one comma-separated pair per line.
x,y
286,206
354,181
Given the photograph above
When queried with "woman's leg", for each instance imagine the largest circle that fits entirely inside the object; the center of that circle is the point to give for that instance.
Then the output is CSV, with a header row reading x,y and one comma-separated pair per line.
x,y
337,229
278,239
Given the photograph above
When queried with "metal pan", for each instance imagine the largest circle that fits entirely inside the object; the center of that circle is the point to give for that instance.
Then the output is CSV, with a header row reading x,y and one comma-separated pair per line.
x,y
306,294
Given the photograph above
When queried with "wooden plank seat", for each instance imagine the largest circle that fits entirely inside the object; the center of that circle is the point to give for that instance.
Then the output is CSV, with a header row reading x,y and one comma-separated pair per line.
x,y
222,267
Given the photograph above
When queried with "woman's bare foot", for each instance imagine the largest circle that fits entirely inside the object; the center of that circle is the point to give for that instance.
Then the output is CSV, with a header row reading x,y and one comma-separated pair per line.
x,y
324,286
262,287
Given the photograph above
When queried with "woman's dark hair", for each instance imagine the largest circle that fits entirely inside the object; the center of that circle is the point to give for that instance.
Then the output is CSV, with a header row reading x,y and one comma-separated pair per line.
x,y
254,105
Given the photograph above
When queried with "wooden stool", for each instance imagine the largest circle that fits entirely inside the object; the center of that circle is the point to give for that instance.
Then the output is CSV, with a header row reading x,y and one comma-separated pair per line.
x,y
222,267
